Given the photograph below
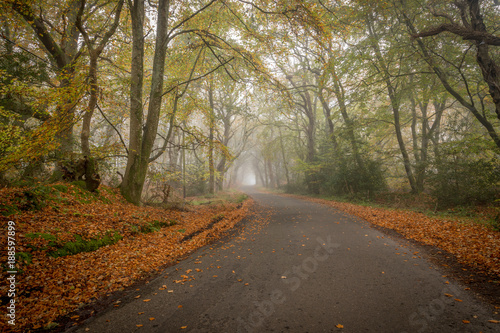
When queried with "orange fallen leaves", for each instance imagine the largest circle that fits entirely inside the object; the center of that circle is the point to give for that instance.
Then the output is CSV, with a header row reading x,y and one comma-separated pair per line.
x,y
472,244
52,287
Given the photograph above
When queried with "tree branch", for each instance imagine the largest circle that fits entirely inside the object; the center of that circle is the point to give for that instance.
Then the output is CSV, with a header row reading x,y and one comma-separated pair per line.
x,y
111,124
465,33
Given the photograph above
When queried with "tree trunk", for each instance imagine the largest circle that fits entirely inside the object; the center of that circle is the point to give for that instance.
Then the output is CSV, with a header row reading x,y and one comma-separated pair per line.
x,y
285,164
64,55
140,146
489,69
395,105
340,95
211,120
310,111
328,118
444,80
131,187
94,53
87,117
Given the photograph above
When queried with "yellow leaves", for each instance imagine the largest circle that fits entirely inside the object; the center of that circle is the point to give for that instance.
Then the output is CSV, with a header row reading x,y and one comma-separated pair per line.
x,y
339,326
146,300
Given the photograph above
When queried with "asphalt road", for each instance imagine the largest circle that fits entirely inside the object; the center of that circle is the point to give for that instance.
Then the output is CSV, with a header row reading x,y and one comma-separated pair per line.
x,y
300,267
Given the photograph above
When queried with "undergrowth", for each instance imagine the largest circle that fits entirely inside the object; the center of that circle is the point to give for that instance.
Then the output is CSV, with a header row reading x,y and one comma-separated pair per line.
x,y
56,248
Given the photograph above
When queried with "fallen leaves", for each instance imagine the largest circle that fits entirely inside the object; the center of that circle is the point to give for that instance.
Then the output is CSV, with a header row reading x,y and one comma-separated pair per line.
x,y
472,244
60,285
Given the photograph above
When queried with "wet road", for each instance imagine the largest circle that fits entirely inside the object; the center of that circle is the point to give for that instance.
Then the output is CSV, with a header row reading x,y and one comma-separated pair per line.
x,y
300,267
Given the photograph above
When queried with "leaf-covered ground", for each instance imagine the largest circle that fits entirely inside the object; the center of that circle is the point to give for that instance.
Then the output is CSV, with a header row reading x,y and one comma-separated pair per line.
x,y
473,244
49,217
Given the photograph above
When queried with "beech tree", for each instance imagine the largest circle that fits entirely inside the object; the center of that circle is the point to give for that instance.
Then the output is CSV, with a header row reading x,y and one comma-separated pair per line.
x,y
142,134
320,96
59,34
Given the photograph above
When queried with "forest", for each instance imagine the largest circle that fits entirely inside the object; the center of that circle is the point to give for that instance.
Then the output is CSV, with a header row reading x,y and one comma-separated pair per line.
x,y
125,125
167,99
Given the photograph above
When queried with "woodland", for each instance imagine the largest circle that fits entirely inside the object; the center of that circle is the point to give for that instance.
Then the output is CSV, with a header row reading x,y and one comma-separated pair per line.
x,y
165,98
125,123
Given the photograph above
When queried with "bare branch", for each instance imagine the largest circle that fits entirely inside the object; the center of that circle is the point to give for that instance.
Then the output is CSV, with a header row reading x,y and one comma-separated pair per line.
x,y
113,126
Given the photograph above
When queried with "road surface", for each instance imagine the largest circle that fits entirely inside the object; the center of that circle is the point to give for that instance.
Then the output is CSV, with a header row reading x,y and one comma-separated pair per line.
x,y
300,267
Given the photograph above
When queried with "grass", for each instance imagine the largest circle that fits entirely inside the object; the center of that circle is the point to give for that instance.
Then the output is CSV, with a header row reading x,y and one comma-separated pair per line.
x,y
59,249
219,198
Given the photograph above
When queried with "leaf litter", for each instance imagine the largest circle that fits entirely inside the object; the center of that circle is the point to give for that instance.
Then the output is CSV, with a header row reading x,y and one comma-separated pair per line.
x,y
49,287
473,244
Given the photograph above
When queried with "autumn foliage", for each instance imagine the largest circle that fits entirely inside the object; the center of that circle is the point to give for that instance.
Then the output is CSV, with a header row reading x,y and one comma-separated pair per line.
x,y
50,285
473,244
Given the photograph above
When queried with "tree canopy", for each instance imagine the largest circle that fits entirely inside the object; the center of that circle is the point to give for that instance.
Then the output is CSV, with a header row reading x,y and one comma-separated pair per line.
x,y
318,96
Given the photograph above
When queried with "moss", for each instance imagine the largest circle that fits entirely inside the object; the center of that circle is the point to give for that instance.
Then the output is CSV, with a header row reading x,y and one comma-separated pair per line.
x,y
79,245
155,226
82,245
60,188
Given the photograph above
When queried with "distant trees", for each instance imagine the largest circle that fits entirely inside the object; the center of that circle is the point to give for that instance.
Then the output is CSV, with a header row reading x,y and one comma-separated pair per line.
x,y
392,102
344,98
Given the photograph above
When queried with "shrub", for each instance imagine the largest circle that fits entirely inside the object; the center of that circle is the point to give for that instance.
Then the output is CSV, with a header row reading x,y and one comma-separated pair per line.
x,y
346,177
464,175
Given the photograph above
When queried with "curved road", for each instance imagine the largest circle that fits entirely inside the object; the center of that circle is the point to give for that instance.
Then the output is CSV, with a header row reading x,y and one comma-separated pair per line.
x,y
300,267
